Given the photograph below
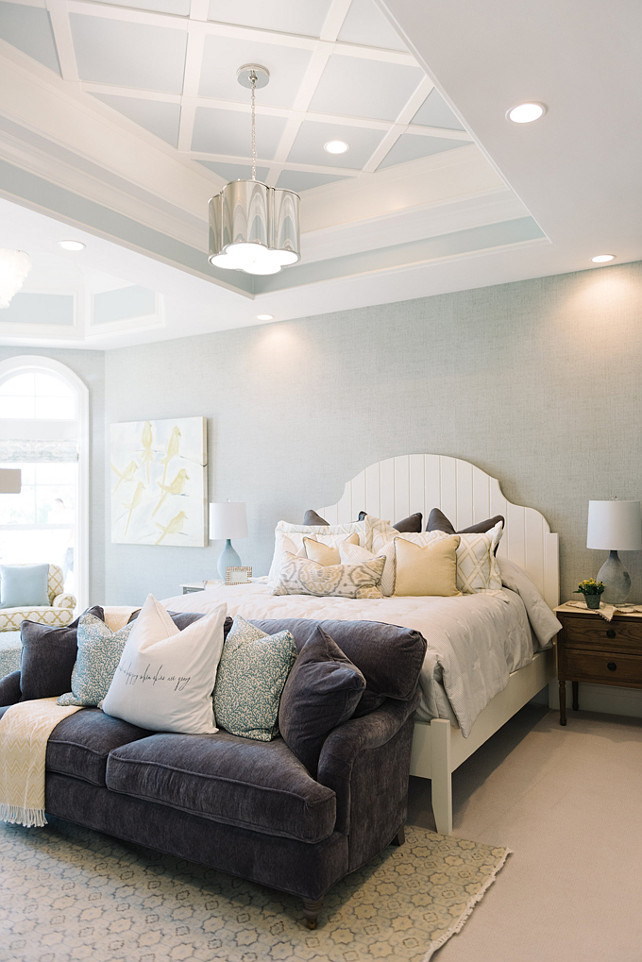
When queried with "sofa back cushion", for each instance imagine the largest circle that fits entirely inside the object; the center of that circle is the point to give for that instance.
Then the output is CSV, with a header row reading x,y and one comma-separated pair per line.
x,y
389,657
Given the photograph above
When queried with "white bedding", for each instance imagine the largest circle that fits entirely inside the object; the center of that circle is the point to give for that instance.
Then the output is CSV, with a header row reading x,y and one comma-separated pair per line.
x,y
474,641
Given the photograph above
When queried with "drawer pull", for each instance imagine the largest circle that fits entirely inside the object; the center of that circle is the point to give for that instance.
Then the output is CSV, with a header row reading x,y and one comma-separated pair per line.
x,y
611,666
610,633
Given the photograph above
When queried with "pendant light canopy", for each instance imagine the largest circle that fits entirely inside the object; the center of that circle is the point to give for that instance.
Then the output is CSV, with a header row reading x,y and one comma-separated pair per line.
x,y
253,227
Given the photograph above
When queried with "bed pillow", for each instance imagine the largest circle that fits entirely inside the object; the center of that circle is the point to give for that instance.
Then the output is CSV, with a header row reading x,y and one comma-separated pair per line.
x,y
426,569
165,677
326,554
252,671
322,691
289,538
24,585
477,566
437,521
411,523
351,554
300,576
48,657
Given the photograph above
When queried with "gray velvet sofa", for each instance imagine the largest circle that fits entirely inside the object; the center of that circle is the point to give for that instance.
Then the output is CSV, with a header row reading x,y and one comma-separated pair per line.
x,y
245,807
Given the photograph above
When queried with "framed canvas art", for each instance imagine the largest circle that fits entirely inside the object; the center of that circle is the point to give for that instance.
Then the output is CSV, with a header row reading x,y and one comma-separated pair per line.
x,y
159,482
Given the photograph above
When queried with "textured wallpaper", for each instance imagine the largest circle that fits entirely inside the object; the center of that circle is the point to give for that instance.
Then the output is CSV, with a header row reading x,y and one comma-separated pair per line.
x,y
537,382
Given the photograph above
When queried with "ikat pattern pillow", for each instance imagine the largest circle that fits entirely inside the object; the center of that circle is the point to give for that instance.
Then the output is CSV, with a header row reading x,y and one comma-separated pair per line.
x,y
251,674
99,651
300,576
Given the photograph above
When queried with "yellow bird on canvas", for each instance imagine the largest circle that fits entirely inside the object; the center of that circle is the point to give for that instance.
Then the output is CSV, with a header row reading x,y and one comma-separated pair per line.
x,y
173,527
174,487
173,446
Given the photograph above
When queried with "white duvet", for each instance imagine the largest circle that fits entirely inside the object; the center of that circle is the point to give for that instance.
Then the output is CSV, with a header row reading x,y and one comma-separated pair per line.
x,y
474,641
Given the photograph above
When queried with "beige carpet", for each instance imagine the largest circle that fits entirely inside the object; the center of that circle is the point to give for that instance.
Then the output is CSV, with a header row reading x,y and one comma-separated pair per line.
x,y
70,894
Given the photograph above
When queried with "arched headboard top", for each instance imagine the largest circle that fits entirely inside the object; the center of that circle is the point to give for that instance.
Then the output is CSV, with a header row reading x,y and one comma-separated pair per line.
x,y
397,487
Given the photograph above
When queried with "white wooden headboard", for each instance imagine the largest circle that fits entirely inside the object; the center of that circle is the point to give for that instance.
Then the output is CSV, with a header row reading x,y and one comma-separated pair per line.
x,y
397,487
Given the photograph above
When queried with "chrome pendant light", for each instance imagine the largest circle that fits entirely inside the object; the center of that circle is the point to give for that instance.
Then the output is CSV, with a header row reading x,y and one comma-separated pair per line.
x,y
253,227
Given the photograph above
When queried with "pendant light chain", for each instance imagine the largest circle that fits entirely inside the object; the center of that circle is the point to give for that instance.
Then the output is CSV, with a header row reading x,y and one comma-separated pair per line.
x,y
253,82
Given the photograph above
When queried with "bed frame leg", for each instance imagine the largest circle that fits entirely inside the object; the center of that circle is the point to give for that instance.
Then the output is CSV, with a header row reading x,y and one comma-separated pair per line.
x,y
441,785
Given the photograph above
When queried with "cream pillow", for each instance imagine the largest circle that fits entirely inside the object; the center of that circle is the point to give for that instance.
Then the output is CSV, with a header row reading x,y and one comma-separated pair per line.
x,y
426,570
327,554
300,576
289,538
165,677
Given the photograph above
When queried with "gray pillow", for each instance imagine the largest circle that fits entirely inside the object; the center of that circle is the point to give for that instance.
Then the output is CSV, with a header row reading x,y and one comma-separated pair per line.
x,y
437,521
48,657
322,691
411,523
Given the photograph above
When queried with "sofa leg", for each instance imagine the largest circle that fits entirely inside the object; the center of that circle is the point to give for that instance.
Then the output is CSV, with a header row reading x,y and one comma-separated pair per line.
x,y
311,911
400,837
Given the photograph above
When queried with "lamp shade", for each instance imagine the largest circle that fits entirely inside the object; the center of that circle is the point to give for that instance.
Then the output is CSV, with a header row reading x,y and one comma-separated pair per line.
x,y
10,480
614,525
228,519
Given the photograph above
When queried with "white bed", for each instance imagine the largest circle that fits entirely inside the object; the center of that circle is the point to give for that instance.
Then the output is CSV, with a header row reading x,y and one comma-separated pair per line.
x,y
394,489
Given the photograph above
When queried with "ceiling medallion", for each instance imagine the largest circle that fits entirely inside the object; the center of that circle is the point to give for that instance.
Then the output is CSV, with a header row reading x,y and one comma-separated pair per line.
x,y
253,227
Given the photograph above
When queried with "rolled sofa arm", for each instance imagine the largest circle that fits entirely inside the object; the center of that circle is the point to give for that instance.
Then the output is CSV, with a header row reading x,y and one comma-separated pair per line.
x,y
351,742
64,601
10,691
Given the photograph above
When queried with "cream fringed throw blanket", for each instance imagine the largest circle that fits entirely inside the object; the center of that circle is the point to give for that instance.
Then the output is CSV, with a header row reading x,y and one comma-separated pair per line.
x,y
24,732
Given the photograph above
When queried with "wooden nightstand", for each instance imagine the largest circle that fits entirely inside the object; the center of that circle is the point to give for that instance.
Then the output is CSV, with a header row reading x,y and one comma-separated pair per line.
x,y
594,650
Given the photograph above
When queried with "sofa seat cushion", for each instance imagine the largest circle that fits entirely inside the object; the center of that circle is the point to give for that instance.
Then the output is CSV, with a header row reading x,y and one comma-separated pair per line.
x,y
80,744
260,786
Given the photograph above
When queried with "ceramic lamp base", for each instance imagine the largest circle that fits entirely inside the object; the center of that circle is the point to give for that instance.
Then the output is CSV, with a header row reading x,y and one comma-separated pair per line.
x,y
229,559
616,580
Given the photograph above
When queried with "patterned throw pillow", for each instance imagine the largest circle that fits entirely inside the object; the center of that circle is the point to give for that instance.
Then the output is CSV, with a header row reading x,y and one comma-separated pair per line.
x,y
99,651
289,537
300,576
351,554
477,567
251,674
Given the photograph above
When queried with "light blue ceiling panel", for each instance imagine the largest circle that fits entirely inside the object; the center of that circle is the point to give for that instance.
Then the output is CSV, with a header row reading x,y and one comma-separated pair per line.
x,y
284,16
435,112
308,145
51,309
223,56
235,171
123,303
228,132
355,87
159,118
129,54
410,147
29,29
300,180
366,24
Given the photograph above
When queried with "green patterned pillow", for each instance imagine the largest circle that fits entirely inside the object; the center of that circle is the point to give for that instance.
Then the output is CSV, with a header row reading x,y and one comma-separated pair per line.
x,y
251,674
99,651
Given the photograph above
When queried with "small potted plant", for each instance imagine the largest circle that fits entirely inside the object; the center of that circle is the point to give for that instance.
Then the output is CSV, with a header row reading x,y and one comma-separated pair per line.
x,y
591,589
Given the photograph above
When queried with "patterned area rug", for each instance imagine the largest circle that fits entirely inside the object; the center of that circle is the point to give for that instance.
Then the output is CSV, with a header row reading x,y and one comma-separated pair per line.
x,y
70,894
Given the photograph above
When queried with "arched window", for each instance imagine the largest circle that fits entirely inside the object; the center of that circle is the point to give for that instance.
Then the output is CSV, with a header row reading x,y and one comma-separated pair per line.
x,y
44,412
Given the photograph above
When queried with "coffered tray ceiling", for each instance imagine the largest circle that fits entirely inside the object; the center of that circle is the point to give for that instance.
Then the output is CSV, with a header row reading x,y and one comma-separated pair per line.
x,y
119,120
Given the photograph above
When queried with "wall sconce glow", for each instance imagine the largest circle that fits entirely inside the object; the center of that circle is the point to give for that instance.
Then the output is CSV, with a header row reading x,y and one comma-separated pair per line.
x,y
14,267
526,113
603,258
335,147
71,245
265,317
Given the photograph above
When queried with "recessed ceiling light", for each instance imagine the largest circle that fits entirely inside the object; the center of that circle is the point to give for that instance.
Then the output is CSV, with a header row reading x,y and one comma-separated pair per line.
x,y
603,258
526,113
71,245
265,317
335,147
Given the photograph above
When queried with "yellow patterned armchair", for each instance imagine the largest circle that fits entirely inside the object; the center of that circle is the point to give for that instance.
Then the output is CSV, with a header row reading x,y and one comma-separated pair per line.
x,y
59,611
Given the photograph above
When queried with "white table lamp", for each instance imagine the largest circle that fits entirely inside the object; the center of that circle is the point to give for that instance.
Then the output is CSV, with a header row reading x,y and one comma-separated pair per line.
x,y
228,519
614,526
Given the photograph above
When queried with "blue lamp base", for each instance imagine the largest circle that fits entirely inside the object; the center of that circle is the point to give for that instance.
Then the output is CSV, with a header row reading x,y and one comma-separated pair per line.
x,y
229,559
616,580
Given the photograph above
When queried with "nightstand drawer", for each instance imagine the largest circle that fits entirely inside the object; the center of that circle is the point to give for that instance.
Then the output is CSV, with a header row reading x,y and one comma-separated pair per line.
x,y
606,667
588,632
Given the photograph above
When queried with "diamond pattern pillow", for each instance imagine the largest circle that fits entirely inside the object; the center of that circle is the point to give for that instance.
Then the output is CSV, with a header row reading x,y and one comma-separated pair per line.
x,y
99,651
251,674
477,567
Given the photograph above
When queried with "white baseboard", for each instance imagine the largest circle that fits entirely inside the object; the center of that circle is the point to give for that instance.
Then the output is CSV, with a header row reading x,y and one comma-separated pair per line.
x,y
601,698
